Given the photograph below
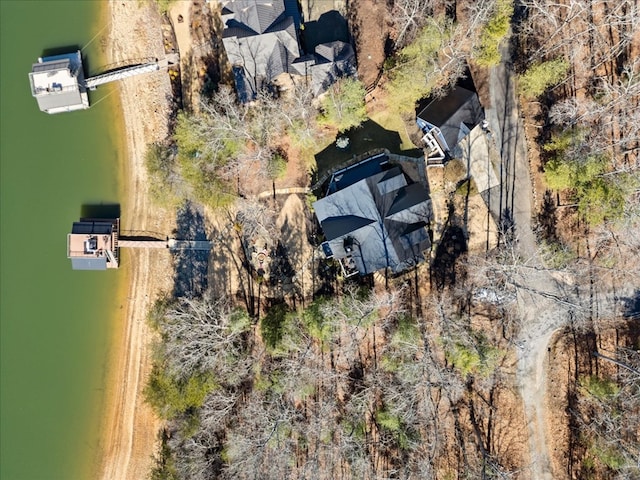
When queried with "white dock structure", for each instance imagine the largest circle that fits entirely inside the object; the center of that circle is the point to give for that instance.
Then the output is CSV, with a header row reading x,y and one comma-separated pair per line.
x,y
58,83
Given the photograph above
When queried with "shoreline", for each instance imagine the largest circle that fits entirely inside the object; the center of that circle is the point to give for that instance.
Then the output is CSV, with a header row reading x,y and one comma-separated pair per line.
x,y
128,436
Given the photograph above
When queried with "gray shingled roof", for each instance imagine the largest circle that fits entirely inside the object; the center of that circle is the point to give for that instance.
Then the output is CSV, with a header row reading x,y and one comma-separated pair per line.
x,y
454,114
383,216
258,15
333,60
334,227
335,51
259,38
405,200
302,65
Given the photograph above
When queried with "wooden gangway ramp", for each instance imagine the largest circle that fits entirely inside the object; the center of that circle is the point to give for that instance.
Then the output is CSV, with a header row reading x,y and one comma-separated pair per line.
x,y
171,244
189,244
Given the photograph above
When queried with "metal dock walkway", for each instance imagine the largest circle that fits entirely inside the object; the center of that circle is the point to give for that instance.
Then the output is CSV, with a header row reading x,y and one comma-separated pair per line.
x,y
92,82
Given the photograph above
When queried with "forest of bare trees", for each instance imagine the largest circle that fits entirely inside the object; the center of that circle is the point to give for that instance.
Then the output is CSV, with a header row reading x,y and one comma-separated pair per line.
x,y
587,141
351,386
417,375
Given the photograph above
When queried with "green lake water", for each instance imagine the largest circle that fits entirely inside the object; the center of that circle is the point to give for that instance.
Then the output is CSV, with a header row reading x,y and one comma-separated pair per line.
x,y
56,324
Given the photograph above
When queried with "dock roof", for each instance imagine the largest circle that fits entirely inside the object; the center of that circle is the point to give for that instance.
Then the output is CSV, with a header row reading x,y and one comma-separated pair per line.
x,y
92,244
57,83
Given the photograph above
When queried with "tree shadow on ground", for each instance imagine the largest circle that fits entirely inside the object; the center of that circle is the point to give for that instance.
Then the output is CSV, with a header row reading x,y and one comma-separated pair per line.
x,y
329,27
281,270
547,217
631,305
507,226
230,270
215,58
444,268
368,136
213,75
191,266
273,322
326,278
631,313
187,74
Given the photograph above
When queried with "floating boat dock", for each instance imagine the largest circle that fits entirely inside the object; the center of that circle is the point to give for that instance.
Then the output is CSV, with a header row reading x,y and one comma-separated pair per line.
x,y
94,244
58,83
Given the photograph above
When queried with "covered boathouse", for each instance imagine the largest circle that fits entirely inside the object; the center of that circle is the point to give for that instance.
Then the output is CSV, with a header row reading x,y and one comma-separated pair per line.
x,y
93,244
58,83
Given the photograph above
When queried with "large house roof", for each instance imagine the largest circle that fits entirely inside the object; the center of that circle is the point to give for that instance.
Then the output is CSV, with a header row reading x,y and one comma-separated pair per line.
x,y
379,220
261,42
253,14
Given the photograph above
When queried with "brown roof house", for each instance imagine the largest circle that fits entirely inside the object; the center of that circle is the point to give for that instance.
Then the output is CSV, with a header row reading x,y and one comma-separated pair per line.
x,y
374,217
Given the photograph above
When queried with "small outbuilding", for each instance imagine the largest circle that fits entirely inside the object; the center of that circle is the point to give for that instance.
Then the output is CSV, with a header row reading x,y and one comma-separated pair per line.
x,y
446,120
331,61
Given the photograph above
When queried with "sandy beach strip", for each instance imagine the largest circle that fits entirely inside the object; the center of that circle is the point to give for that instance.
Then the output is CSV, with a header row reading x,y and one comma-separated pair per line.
x,y
129,435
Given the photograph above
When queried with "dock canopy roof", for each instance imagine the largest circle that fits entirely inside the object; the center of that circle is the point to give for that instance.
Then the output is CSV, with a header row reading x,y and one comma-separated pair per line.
x,y
58,83
93,244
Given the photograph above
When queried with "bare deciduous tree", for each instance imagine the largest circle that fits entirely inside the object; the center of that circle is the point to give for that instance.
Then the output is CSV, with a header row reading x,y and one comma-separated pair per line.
x,y
203,336
409,16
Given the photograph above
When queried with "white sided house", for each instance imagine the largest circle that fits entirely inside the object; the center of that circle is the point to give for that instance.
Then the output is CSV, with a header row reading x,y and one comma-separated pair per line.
x,y
446,121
